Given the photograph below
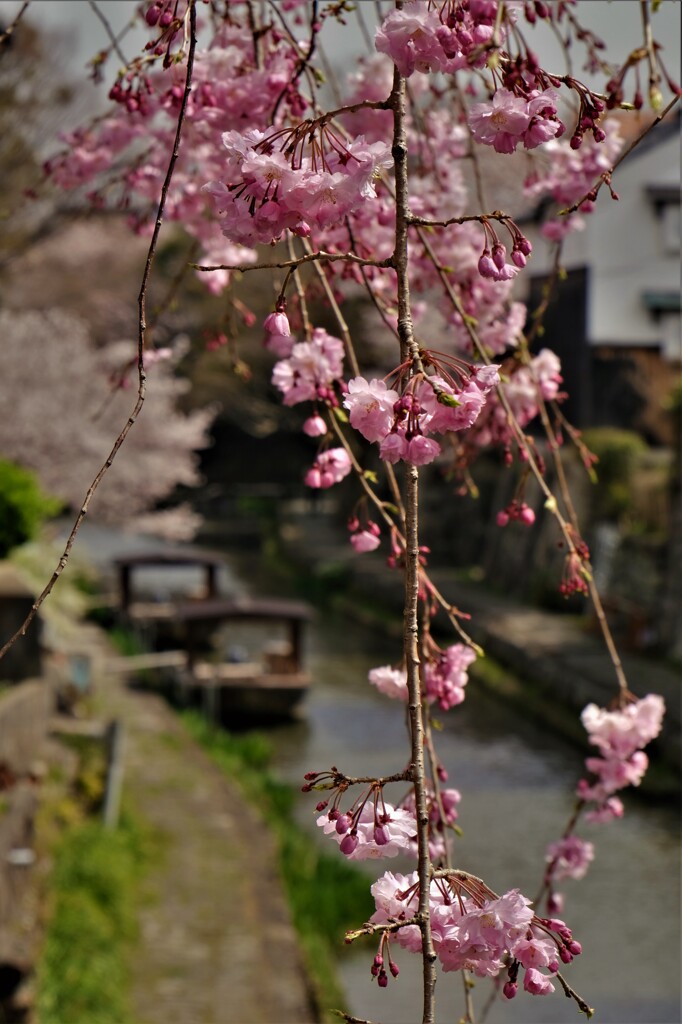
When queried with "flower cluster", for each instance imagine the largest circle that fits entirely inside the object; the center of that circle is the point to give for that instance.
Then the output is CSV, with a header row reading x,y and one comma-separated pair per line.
x,y
402,423
525,385
371,830
268,185
416,39
475,930
511,119
569,857
312,367
444,676
619,735
330,467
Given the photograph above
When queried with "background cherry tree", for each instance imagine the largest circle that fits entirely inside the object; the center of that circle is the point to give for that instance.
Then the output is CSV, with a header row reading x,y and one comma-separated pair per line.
x,y
376,186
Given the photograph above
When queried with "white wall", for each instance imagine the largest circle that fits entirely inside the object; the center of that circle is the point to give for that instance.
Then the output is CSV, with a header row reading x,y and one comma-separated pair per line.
x,y
628,254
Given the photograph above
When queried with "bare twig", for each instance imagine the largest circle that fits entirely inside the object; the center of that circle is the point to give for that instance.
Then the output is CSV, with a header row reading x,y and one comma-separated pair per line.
x,y
311,257
113,39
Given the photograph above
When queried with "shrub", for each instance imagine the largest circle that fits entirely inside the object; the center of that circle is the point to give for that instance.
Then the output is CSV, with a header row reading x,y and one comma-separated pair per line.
x,y
24,506
618,452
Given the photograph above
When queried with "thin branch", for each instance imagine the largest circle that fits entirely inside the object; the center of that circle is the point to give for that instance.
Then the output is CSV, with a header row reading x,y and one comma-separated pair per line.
x,y
311,257
410,349
142,329
7,33
113,39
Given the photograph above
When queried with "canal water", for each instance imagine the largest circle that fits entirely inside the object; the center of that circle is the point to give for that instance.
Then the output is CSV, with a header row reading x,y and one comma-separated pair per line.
x,y
516,779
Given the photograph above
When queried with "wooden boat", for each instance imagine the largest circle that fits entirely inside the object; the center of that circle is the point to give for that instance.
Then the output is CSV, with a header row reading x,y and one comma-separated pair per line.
x,y
263,681
243,656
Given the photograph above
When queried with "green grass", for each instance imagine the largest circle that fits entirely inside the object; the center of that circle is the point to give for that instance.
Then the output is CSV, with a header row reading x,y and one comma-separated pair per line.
x,y
82,977
326,895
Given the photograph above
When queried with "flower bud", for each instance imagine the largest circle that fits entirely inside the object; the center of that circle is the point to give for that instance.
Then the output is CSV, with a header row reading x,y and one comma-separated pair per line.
x,y
382,835
315,426
349,844
510,989
277,323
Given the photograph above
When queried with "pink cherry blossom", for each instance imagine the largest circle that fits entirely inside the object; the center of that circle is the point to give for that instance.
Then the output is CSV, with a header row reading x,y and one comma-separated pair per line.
x,y
570,857
502,123
364,541
371,407
315,426
391,681
310,369
619,733
410,38
537,983
330,468
445,678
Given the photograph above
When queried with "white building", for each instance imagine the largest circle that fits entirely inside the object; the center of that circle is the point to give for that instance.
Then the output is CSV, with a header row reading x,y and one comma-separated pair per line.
x,y
616,323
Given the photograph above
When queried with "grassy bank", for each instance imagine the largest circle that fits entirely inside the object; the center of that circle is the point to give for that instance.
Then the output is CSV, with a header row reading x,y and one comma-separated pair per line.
x,y
82,977
326,895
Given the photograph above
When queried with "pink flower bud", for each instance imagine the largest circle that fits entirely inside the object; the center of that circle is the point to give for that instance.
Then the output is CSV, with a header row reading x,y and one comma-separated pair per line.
x,y
277,323
565,954
486,267
315,426
343,824
382,835
502,518
518,258
349,844
166,19
152,15
499,255
382,980
510,989
394,969
575,947
526,515
313,478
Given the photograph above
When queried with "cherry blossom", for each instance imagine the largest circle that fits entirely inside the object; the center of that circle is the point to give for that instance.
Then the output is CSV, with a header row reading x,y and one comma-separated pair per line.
x,y
309,371
391,681
374,833
330,467
570,857
446,677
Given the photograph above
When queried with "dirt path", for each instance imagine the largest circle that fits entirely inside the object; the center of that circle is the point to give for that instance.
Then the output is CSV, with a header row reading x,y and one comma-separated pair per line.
x,y
216,944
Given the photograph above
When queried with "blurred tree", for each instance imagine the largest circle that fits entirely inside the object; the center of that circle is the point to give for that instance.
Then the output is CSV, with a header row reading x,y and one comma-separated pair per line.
x,y
64,401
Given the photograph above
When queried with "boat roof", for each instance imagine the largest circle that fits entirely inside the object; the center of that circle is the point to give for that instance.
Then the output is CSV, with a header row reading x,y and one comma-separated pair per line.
x,y
149,558
217,608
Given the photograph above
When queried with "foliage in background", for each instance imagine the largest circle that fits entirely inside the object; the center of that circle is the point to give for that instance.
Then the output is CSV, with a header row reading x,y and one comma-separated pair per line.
x,y
617,452
24,506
